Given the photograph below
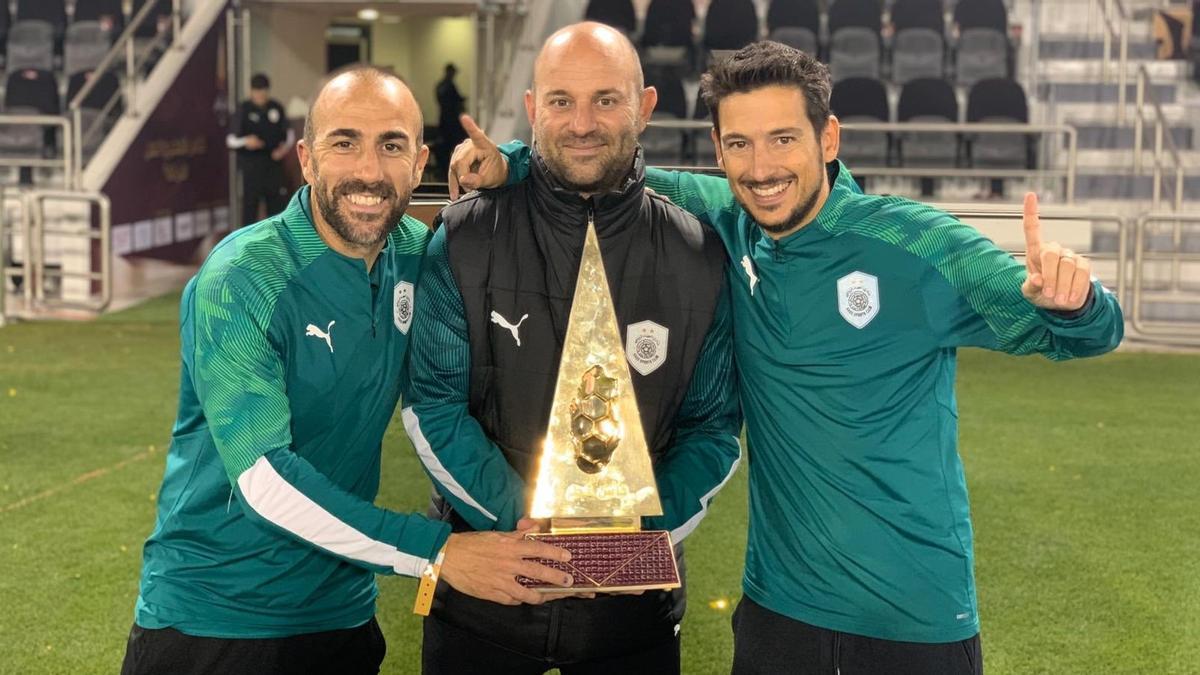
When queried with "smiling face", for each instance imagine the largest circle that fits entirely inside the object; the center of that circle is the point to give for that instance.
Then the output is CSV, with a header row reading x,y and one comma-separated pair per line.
x,y
587,106
363,157
774,160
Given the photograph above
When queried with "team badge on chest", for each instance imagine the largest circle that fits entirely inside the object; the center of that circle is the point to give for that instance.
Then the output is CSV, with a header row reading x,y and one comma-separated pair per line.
x,y
646,346
402,306
858,298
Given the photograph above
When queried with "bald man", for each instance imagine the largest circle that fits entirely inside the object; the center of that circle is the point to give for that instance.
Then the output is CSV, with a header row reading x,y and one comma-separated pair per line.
x,y
264,554
491,317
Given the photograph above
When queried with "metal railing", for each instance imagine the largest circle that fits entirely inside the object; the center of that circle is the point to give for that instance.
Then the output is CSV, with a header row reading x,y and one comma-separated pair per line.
x,y
964,128
1116,27
40,122
135,57
1175,291
1160,130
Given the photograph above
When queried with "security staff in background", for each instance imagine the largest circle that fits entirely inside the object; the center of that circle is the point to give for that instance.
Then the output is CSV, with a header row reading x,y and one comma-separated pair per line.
x,y
262,138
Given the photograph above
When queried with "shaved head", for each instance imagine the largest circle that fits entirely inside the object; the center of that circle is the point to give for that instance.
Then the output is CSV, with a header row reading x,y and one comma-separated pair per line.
x,y
590,40
587,106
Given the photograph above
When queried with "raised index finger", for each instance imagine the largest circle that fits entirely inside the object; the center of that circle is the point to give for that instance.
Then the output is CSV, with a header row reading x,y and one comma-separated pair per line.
x,y
476,134
1032,224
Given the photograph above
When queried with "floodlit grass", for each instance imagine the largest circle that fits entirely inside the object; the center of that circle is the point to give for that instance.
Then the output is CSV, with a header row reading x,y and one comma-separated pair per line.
x,y
1084,482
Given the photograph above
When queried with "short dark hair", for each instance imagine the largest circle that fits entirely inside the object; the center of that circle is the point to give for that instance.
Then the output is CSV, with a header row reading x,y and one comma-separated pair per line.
x,y
767,63
260,81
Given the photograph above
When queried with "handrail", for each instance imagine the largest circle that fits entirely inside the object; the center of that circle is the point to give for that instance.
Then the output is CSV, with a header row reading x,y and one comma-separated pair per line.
x,y
103,235
1160,121
1176,258
44,121
1071,133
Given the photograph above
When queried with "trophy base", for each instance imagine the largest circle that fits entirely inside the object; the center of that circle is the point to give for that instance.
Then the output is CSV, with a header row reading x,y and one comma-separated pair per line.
x,y
610,562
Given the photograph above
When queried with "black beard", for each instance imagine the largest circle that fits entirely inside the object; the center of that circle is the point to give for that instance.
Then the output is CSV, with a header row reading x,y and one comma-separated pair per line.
x,y
327,203
796,217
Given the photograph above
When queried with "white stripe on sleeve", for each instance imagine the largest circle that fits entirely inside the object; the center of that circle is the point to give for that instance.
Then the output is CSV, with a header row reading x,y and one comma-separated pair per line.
x,y
678,534
434,465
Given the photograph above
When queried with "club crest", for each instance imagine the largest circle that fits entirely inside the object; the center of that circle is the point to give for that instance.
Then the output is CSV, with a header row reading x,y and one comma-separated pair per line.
x,y
646,346
402,306
858,298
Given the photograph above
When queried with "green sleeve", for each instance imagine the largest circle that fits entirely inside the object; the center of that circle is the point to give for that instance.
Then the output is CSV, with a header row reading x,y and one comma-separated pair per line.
x,y
466,467
237,373
705,451
973,298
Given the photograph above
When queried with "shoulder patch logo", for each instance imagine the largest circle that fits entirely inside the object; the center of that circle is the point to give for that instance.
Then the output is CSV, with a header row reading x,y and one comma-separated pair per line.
x,y
402,306
646,346
273,116
858,298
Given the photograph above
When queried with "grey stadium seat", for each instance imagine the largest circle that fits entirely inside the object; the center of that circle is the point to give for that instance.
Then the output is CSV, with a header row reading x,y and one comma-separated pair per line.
x,y
84,47
795,36
30,45
861,99
927,100
854,52
917,53
21,141
982,55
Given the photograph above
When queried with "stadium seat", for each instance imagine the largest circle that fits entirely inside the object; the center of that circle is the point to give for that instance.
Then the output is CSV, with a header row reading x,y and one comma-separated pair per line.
x,y
917,53
982,54
5,24
981,14
108,13
794,14
30,46
53,12
999,100
702,145
665,146
856,14
854,51
799,37
918,14
33,89
669,23
862,99
667,34
927,100
730,24
150,27
99,96
616,13
84,46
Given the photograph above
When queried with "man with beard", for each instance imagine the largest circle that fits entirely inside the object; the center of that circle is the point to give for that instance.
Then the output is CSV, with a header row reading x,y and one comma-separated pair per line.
x,y
264,554
492,315
849,309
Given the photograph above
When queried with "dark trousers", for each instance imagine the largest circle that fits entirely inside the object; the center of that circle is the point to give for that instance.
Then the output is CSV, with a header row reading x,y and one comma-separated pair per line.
x,y
766,643
166,651
262,180
626,635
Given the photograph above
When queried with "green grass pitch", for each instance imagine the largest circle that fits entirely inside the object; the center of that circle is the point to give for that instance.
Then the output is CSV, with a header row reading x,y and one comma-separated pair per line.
x,y
1084,479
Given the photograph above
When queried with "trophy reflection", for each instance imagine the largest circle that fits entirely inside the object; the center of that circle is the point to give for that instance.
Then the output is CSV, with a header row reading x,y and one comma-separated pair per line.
x,y
595,481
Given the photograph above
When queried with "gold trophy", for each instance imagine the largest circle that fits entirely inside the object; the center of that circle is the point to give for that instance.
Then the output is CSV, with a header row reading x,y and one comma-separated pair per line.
x,y
594,479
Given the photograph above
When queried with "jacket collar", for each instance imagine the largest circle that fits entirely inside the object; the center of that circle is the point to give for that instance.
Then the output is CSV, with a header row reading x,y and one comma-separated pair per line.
x,y
611,211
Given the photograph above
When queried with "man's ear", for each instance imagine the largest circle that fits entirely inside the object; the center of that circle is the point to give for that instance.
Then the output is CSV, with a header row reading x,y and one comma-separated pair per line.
x,y
303,153
716,139
530,106
646,109
831,139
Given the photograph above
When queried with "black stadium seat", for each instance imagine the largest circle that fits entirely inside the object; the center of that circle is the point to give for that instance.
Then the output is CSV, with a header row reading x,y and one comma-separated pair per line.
x,y
730,24
862,99
108,13
99,96
34,89
855,13
981,14
665,146
616,13
918,14
53,12
927,100
669,23
5,24
1000,100
794,14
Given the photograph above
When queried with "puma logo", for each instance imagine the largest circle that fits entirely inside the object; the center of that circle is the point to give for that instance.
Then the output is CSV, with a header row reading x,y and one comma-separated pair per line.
x,y
512,328
313,331
749,267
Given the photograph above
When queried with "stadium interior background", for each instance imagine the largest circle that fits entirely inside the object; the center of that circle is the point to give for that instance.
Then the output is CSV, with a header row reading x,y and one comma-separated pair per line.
x,y
115,181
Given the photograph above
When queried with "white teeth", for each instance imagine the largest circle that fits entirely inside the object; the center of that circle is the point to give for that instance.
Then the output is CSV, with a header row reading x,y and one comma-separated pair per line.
x,y
767,192
364,200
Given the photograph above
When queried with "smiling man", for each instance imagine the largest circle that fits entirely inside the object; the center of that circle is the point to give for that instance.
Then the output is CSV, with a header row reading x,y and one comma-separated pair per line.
x,y
264,554
848,310
492,316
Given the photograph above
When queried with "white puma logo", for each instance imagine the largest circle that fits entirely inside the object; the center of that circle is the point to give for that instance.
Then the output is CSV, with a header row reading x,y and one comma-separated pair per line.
x,y
512,328
749,267
313,331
